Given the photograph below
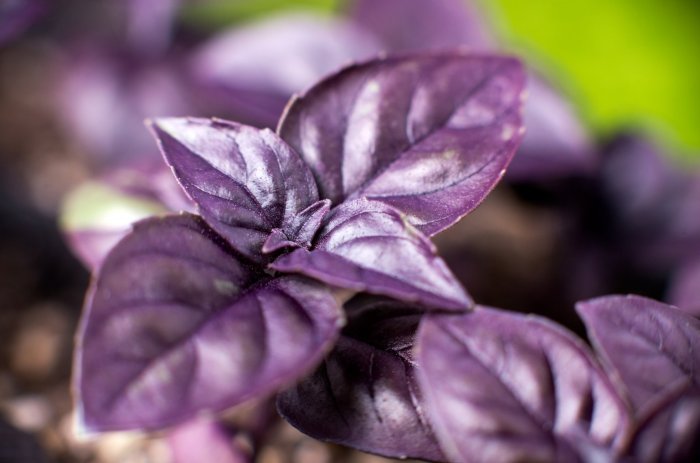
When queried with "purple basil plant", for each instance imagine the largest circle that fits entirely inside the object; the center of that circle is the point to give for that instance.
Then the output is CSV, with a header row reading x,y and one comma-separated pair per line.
x,y
244,297
509,387
307,264
250,72
302,264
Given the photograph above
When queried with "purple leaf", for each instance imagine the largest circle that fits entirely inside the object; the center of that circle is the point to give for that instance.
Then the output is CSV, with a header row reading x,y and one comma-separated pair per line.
x,y
176,324
365,394
370,246
650,345
245,181
257,68
671,430
431,135
365,398
556,143
500,386
301,229
204,440
685,289
411,25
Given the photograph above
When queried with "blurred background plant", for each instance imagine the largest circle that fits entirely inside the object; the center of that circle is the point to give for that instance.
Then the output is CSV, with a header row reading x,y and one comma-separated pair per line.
x,y
78,77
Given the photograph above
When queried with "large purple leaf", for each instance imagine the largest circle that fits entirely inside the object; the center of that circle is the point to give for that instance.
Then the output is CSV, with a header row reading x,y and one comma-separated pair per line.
x,y
365,395
370,246
671,430
430,134
256,68
245,181
410,25
685,289
505,387
650,345
175,323
556,143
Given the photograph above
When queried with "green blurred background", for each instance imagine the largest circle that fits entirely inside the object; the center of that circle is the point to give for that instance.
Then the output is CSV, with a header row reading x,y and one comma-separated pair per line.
x,y
625,62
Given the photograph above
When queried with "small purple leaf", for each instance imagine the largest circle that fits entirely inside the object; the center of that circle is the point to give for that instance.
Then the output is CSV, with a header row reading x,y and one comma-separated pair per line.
x,y
650,345
300,230
365,394
277,241
685,289
430,135
245,181
670,432
411,25
370,246
303,227
500,386
173,326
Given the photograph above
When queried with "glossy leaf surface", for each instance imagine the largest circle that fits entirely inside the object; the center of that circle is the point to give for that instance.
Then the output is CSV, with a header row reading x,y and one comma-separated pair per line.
x,y
245,181
650,345
500,386
431,135
301,229
671,430
365,395
176,323
369,246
